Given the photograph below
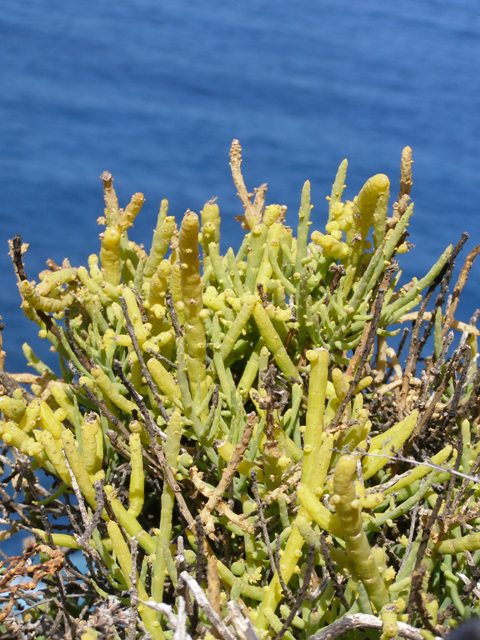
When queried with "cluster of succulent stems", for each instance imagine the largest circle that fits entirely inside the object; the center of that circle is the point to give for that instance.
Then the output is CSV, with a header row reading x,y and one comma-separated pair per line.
x,y
244,420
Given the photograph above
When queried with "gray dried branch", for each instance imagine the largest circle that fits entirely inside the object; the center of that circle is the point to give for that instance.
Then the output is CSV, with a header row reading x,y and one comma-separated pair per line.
x,y
364,621
204,604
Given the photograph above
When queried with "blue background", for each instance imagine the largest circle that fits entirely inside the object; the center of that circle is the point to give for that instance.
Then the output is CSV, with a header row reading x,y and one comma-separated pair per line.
x,y
155,91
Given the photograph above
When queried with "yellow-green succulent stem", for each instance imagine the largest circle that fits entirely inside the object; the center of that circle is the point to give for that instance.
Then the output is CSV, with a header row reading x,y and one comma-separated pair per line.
x,y
258,237
92,286
192,292
421,470
129,522
34,361
397,308
53,449
317,387
338,186
141,330
264,276
239,324
323,454
210,215
110,255
60,392
233,272
13,436
136,493
49,421
278,273
55,279
303,226
172,448
250,371
367,200
31,296
453,546
161,239
31,416
408,504
163,379
124,559
131,211
349,513
92,444
78,468
380,217
13,408
247,590
110,392
289,560
390,621
59,539
321,515
158,285
273,341
216,263
388,442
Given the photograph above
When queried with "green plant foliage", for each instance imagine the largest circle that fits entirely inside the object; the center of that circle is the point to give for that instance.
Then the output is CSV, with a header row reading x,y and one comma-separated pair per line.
x,y
236,439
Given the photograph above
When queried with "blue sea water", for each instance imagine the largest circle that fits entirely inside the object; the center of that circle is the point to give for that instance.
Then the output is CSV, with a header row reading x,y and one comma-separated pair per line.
x,y
155,92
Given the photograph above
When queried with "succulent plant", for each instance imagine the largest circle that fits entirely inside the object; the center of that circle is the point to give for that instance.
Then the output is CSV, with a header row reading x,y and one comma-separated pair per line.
x,y
249,440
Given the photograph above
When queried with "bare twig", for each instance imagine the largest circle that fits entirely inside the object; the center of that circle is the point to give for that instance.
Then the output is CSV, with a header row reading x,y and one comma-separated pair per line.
x,y
204,604
97,516
462,280
420,570
167,611
273,557
363,350
152,429
173,314
181,630
301,595
332,573
242,624
230,470
253,211
78,494
364,621
132,627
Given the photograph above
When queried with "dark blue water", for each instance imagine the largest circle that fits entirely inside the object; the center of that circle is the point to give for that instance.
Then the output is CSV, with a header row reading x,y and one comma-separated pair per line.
x,y
155,91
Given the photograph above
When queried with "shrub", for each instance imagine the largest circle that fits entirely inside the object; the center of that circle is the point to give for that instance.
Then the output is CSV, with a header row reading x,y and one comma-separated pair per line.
x,y
249,444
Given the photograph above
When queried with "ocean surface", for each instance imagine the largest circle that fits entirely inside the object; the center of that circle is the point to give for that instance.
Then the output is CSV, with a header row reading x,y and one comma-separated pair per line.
x,y
155,92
